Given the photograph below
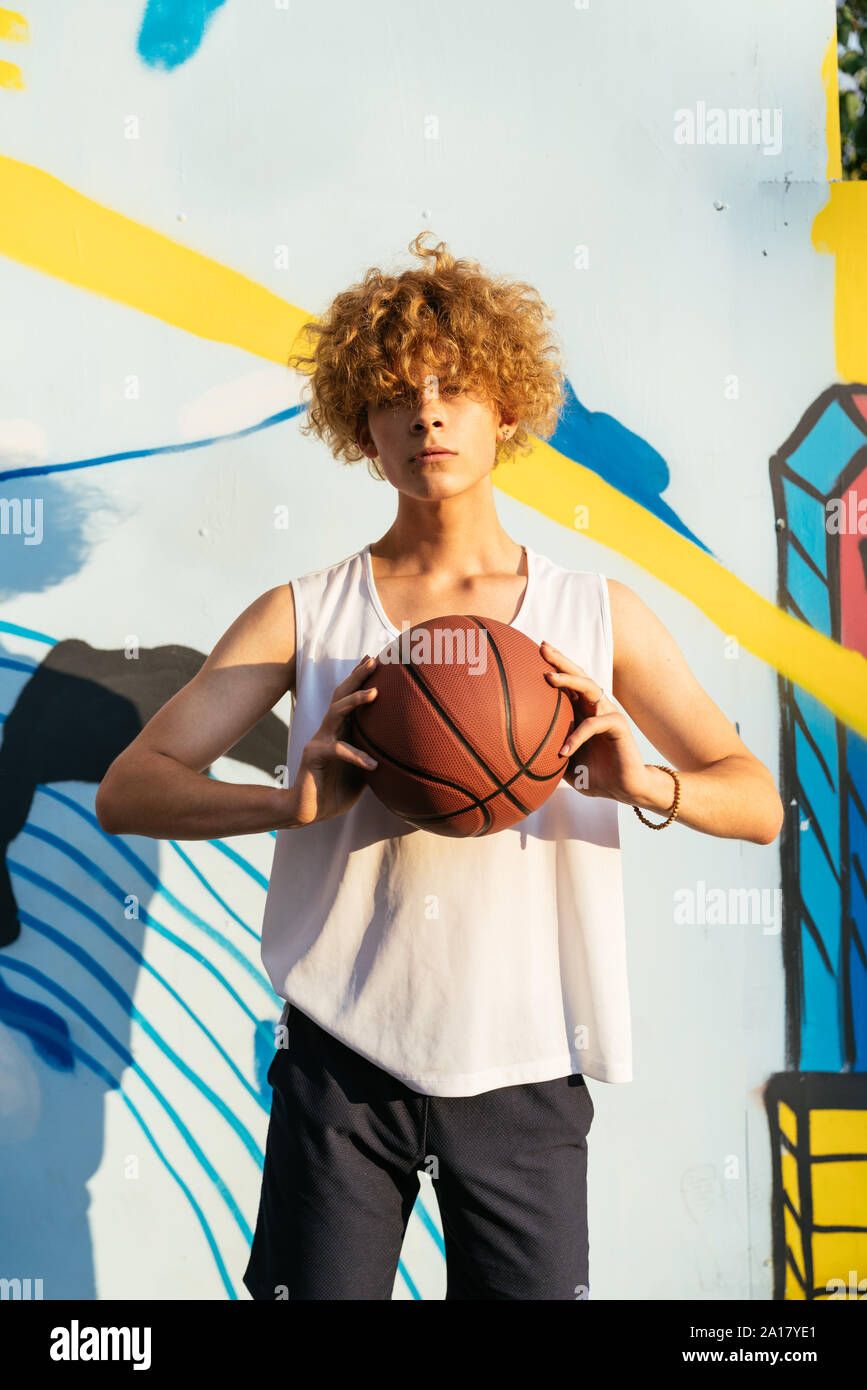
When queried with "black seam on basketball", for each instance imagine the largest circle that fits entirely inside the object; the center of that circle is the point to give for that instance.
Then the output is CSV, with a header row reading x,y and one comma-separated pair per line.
x,y
475,802
498,783
422,821
523,766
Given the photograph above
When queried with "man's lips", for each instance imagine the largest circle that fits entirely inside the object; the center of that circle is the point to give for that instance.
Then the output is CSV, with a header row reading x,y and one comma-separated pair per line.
x,y
432,454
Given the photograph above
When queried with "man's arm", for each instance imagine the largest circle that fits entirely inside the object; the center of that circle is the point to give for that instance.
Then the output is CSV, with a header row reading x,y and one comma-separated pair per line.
x,y
724,789
155,787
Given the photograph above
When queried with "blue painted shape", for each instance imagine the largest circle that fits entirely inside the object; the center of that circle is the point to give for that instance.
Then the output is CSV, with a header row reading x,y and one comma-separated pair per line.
x,y
47,1030
822,725
263,1055
817,463
821,1048
112,1084
805,518
858,987
822,456
172,30
809,592
857,969
820,894
22,871
14,663
625,460
821,795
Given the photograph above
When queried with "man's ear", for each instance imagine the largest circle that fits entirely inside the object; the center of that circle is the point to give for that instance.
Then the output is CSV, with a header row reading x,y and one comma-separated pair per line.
x,y
363,437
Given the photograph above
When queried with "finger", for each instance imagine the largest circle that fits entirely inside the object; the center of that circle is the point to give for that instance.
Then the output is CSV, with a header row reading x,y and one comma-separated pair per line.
x,y
596,724
349,754
340,708
582,684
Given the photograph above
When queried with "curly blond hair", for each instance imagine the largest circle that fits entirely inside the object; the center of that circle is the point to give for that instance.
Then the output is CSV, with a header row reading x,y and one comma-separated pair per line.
x,y
488,333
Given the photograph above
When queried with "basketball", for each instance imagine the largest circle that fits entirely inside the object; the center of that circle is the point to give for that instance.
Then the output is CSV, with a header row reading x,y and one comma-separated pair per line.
x,y
465,728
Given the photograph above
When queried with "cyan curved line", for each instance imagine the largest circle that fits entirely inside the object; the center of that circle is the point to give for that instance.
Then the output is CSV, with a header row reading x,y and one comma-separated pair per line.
x,y
129,1061
430,1226
43,469
114,1085
119,845
21,871
93,968
195,955
16,630
95,873
408,1280
197,873
241,862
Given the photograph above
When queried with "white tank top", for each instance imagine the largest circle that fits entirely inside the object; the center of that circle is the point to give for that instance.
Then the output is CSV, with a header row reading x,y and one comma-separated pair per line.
x,y
459,966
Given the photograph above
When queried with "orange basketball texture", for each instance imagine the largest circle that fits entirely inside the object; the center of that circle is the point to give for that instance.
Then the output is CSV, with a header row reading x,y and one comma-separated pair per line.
x,y
462,753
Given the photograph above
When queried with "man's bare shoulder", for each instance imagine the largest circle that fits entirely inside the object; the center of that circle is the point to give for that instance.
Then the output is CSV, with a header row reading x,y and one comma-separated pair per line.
x,y
263,633
630,617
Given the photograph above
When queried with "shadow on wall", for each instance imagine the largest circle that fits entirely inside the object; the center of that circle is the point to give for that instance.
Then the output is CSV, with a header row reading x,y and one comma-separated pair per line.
x,y
81,950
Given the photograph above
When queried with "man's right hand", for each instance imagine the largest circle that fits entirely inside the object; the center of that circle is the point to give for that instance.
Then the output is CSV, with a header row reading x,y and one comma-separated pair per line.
x,y
329,779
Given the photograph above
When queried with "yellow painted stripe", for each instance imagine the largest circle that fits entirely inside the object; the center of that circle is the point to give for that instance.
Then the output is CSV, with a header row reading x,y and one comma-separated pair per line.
x,y
53,228
13,26
840,228
554,484
10,77
832,109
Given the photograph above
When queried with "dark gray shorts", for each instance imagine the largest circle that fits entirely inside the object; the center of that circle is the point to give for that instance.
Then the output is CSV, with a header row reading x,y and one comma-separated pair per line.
x,y
346,1141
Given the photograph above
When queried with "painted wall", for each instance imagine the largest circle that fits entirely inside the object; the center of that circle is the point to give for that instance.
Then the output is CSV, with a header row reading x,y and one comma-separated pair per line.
x,y
182,185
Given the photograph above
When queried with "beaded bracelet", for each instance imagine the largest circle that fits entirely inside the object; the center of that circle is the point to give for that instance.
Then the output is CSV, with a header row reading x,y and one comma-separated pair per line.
x,y
673,812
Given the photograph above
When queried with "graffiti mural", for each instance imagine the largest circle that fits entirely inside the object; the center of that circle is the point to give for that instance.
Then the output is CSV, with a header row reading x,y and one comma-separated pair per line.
x,y
158,266
818,1111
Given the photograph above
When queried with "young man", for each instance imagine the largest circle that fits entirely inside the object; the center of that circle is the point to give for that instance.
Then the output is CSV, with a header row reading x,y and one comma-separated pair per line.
x,y
452,1038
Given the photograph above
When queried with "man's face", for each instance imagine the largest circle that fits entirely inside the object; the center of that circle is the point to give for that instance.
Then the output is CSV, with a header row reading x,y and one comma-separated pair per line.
x,y
445,417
